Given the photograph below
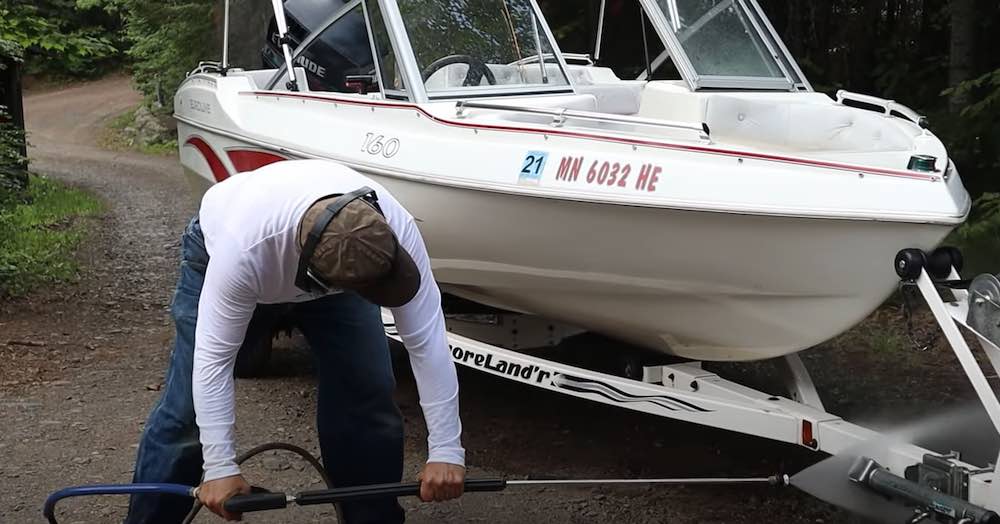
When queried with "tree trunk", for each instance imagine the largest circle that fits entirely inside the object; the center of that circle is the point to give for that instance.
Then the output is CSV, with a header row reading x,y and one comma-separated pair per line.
x,y
963,40
13,176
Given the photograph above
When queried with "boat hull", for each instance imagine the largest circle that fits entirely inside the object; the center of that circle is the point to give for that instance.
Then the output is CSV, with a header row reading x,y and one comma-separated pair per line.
x,y
695,249
705,286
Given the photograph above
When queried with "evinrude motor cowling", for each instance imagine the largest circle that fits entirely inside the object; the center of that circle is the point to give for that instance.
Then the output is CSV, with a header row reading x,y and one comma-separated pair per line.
x,y
340,51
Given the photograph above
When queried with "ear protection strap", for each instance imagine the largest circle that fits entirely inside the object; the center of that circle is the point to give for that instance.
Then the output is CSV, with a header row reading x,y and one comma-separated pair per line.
x,y
331,211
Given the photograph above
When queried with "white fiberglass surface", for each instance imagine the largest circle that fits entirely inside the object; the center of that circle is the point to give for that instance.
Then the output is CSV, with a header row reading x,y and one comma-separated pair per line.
x,y
474,44
720,38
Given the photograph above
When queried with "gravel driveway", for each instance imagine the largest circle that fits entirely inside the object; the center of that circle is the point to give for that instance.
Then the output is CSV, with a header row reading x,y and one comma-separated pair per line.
x,y
82,365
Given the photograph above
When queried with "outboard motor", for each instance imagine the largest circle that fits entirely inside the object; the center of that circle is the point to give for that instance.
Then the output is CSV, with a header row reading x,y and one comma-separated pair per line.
x,y
342,50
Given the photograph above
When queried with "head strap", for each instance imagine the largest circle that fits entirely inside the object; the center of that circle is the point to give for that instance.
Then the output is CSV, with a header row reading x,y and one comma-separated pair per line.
x,y
304,278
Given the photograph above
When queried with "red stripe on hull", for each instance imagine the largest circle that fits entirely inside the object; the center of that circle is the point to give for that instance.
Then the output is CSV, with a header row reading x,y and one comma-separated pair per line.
x,y
219,170
854,169
249,160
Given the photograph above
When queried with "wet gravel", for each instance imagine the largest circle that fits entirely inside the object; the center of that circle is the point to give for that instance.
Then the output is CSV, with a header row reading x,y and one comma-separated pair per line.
x,y
81,365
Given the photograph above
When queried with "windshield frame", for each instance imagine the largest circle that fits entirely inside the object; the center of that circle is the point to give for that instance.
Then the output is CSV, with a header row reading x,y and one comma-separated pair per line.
x,y
414,79
792,77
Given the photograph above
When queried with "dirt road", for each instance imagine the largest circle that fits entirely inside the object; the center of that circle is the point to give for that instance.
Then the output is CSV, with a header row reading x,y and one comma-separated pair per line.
x,y
84,364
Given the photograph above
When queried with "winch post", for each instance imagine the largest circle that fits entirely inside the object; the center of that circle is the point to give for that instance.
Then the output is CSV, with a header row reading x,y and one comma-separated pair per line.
x,y
958,344
965,355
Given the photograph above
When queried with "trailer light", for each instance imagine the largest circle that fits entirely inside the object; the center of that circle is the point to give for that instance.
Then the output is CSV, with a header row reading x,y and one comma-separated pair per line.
x,y
808,440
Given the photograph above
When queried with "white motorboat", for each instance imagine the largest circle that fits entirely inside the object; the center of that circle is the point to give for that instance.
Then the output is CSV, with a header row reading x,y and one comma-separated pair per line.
x,y
730,214
734,214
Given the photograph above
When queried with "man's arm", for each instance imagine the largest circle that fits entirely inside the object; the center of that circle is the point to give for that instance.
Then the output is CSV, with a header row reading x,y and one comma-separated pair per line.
x,y
421,326
224,311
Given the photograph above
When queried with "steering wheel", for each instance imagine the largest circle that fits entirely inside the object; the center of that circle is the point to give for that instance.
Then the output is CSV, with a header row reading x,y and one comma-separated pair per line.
x,y
478,70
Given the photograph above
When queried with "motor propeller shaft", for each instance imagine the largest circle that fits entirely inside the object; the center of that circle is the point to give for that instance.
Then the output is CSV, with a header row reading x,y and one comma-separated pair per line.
x,y
872,475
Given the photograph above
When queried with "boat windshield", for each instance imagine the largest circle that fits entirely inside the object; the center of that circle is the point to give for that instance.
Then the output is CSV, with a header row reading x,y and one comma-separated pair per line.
x,y
725,43
465,45
719,38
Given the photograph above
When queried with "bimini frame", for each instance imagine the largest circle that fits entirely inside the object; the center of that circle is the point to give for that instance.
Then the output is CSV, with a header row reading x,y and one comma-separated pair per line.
x,y
689,393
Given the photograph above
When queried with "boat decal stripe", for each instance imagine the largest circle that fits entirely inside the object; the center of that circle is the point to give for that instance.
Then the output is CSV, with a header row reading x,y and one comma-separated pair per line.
x,y
219,170
584,385
380,170
244,160
604,138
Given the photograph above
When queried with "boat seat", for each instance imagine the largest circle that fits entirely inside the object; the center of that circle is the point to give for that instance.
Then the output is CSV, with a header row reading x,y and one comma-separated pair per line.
x,y
801,126
614,95
807,122
261,78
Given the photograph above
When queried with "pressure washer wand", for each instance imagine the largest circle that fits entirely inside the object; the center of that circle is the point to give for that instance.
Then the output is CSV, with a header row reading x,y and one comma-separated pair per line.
x,y
271,501
776,480
264,501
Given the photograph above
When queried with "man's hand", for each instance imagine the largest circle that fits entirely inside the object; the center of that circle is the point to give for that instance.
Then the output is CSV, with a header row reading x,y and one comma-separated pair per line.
x,y
440,482
214,493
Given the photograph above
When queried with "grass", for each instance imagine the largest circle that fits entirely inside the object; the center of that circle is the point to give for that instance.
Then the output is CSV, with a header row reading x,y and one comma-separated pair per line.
x,y
40,237
116,139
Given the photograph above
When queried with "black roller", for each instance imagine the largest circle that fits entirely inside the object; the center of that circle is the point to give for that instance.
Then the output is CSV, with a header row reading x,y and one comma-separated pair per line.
x,y
942,260
909,263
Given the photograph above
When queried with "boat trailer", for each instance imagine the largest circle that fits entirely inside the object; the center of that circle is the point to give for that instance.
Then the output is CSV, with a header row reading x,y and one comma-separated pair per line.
x,y
937,486
689,393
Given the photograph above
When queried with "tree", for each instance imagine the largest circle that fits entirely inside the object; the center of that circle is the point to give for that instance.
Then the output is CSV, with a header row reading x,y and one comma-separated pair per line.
x,y
962,64
13,163
60,37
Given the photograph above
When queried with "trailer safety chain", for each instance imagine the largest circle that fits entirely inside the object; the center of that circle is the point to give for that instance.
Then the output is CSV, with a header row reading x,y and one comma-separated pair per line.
x,y
908,291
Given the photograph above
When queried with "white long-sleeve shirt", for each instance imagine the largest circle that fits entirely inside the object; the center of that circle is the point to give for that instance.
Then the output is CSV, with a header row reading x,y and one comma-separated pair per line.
x,y
250,223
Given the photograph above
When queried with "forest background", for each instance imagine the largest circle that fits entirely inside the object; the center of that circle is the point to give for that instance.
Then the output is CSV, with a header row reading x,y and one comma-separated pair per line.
x,y
936,56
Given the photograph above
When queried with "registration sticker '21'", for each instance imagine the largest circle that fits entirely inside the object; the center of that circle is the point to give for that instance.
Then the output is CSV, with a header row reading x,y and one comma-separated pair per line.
x,y
532,168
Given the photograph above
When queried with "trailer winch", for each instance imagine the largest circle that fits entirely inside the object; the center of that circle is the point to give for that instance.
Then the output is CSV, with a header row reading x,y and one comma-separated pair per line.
x,y
930,503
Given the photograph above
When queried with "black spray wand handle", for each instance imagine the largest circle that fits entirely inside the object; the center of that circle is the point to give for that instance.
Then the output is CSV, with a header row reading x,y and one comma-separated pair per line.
x,y
270,501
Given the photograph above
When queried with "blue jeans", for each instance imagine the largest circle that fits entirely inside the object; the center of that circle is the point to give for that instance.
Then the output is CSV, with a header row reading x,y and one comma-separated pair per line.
x,y
360,428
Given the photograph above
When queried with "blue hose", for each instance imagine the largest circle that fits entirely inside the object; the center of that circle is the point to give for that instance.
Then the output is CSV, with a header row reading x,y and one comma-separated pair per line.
x,y
112,489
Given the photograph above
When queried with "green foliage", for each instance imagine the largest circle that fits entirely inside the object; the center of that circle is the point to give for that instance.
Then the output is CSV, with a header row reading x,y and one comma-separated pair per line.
x,y
11,141
169,38
13,166
9,51
61,38
41,234
980,237
974,136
